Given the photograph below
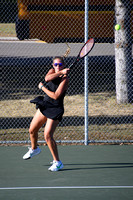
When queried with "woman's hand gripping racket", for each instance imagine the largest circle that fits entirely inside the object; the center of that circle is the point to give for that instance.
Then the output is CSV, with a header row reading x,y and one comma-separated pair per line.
x,y
85,50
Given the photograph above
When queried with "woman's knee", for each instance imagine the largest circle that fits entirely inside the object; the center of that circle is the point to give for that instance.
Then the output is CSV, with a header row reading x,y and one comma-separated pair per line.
x,y
48,137
32,131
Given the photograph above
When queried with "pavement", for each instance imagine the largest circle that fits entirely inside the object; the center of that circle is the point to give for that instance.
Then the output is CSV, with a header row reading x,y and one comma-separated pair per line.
x,y
12,47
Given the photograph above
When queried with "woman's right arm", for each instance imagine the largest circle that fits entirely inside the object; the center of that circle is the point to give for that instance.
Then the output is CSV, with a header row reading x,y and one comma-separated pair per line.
x,y
51,75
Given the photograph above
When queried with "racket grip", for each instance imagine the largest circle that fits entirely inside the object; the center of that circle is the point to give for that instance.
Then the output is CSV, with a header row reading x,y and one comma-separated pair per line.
x,y
71,65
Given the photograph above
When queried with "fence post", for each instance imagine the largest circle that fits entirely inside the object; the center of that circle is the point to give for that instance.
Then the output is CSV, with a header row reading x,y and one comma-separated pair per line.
x,y
86,75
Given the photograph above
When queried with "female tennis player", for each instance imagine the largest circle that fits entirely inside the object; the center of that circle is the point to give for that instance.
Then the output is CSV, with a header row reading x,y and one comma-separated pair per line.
x,y
50,109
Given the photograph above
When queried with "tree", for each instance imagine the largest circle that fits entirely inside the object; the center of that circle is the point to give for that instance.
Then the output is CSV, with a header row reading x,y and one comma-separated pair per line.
x,y
123,52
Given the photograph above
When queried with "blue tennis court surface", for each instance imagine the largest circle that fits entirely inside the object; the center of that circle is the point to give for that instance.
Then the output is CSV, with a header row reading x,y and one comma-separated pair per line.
x,y
90,172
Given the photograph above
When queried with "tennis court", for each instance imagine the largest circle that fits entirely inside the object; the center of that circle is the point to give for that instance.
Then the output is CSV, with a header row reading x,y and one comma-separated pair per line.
x,y
90,172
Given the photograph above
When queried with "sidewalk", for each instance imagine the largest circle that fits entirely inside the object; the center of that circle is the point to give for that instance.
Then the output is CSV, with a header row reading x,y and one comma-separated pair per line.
x,y
16,39
9,38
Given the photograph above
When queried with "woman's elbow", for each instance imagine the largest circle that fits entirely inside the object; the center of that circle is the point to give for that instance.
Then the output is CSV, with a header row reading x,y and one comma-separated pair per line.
x,y
56,97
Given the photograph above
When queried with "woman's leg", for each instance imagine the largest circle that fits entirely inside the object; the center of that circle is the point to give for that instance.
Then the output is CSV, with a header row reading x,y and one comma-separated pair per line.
x,y
48,134
38,120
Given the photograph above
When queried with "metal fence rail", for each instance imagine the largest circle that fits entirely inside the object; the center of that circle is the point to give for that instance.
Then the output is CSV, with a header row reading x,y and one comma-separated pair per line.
x,y
25,59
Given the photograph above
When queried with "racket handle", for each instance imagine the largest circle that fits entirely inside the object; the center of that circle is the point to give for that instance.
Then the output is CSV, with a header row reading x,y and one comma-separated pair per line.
x,y
70,66
73,64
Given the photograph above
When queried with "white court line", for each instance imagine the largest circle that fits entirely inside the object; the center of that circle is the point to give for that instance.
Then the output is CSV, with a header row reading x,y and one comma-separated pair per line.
x,y
68,187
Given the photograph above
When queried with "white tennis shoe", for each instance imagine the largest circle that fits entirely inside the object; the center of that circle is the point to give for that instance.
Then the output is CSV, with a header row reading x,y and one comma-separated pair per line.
x,y
31,153
56,166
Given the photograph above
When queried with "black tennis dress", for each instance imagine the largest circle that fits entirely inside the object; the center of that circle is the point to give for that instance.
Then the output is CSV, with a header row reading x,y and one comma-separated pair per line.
x,y
53,109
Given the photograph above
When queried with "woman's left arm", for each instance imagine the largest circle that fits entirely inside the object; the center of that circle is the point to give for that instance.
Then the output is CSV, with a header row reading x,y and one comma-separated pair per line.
x,y
61,88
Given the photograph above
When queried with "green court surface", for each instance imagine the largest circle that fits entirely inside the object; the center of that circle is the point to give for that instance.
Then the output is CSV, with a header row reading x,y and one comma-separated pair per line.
x,y
101,172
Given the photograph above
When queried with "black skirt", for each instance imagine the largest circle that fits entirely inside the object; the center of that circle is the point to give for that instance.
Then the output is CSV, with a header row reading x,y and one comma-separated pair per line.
x,y
48,109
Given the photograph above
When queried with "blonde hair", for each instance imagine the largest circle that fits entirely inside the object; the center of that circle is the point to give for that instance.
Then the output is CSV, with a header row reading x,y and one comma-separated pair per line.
x,y
64,56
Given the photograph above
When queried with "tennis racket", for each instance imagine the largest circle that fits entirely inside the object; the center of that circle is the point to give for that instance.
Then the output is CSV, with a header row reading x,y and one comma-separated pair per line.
x,y
85,50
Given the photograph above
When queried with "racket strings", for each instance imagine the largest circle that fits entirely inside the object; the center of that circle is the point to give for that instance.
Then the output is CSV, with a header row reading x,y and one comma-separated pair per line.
x,y
87,48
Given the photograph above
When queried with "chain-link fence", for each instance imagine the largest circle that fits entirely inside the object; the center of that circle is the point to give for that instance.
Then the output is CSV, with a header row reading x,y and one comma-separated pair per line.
x,y
32,32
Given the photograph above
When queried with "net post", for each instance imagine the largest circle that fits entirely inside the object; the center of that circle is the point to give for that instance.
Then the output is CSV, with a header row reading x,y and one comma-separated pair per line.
x,y
86,75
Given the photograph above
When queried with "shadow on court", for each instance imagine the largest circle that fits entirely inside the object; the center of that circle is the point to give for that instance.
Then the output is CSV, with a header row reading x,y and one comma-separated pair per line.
x,y
99,166
90,172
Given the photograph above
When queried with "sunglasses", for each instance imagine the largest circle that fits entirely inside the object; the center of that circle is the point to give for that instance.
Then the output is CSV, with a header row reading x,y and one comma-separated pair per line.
x,y
60,64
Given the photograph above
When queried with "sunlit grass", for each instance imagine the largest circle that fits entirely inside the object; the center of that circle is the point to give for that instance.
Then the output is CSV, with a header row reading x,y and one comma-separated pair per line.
x,y
7,30
102,106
